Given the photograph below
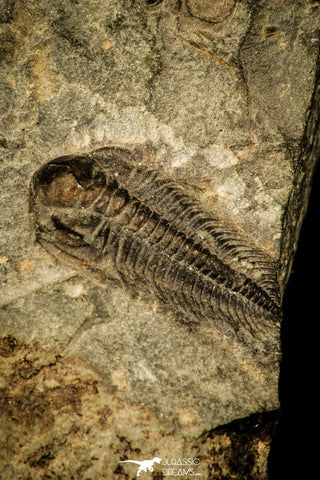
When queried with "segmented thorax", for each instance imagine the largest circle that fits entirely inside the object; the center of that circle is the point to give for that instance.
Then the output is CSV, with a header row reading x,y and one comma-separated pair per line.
x,y
103,206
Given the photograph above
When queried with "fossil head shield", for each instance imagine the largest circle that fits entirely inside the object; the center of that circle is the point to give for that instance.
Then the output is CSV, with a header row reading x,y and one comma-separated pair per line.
x,y
105,206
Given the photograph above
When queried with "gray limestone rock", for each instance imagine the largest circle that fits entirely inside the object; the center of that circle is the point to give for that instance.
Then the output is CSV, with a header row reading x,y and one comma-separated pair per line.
x,y
223,98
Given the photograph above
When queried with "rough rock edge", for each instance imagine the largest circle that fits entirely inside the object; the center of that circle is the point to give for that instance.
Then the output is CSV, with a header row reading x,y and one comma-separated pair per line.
x,y
297,204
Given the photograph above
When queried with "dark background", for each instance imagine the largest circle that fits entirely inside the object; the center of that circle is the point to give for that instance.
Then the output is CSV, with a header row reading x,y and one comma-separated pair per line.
x,y
295,450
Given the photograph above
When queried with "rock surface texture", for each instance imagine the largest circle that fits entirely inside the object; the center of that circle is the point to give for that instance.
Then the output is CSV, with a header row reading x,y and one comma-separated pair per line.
x,y
210,102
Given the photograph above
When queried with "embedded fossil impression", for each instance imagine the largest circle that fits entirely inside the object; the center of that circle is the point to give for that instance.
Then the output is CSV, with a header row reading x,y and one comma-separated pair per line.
x,y
105,208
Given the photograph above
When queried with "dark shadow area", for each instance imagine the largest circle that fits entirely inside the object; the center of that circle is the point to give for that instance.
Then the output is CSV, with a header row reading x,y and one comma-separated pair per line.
x,y
294,449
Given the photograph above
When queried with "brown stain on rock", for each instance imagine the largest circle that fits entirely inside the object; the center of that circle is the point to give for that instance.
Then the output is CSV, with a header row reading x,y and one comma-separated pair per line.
x,y
26,266
36,389
45,79
59,419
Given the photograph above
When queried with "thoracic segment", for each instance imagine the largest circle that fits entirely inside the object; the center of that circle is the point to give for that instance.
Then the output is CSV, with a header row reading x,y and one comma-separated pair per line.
x,y
153,233
168,199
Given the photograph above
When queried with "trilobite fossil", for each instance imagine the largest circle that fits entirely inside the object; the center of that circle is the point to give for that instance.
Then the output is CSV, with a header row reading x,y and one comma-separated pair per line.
x,y
105,207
